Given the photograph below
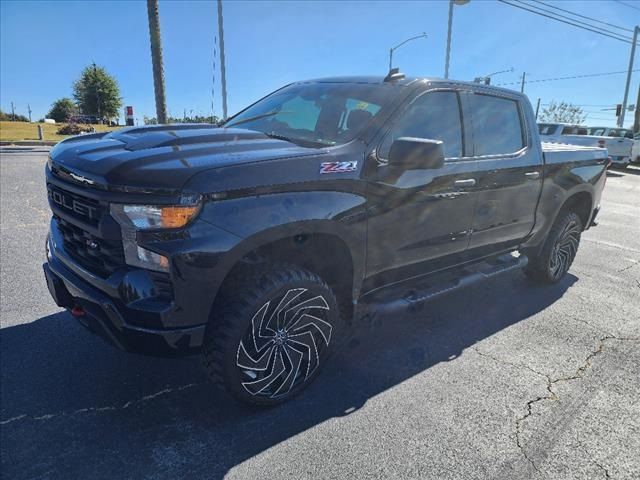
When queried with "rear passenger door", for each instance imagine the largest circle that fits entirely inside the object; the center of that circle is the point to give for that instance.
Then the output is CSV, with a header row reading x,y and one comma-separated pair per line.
x,y
509,175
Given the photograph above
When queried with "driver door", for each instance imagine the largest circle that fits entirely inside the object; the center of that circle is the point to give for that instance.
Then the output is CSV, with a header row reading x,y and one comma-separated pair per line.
x,y
419,220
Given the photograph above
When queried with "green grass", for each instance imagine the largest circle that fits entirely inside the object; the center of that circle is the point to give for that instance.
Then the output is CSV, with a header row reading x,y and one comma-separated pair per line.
x,y
15,131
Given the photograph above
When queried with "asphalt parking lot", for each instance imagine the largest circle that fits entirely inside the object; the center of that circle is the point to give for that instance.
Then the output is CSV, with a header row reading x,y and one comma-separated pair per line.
x,y
504,380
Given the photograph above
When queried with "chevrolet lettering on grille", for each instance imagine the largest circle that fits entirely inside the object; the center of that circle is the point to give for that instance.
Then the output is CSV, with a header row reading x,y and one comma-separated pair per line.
x,y
69,203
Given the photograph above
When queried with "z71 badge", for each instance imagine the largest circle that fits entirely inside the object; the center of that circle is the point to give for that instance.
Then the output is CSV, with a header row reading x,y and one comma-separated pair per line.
x,y
338,167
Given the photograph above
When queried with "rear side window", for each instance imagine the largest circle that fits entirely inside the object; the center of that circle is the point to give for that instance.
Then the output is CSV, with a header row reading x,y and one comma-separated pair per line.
x,y
497,128
570,130
433,116
547,128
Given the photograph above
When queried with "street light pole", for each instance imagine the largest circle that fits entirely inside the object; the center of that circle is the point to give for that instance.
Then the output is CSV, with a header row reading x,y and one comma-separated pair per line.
x,y
636,31
223,75
487,78
391,50
448,55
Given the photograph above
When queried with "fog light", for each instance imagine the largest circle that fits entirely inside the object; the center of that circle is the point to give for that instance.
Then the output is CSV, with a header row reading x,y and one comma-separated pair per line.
x,y
152,259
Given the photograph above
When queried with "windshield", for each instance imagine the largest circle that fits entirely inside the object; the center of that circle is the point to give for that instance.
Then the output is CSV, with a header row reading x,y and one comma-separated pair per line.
x,y
315,114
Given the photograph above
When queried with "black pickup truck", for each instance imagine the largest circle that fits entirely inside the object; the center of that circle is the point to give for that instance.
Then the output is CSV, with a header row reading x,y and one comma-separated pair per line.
x,y
253,242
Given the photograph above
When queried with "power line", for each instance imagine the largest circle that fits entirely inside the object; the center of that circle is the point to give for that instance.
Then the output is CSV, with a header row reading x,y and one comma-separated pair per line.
x,y
584,105
615,36
583,16
588,75
627,5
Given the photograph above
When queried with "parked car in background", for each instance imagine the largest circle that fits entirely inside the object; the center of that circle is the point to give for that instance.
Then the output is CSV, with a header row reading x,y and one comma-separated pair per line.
x,y
556,129
616,140
610,132
635,151
89,119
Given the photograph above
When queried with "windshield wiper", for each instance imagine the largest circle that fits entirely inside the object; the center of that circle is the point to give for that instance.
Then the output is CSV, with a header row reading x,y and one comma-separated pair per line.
x,y
255,117
277,136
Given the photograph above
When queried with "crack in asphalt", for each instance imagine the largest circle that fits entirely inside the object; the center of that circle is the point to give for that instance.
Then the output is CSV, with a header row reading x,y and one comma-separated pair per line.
x,y
633,264
107,408
550,383
604,469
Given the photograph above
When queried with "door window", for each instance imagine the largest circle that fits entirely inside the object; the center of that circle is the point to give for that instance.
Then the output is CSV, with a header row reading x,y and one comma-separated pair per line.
x,y
497,127
433,116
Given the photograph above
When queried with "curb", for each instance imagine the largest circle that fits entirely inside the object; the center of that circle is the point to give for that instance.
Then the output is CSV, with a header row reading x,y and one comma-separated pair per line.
x,y
29,143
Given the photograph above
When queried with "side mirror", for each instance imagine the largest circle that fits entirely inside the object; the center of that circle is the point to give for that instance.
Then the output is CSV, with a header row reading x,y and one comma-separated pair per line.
x,y
409,153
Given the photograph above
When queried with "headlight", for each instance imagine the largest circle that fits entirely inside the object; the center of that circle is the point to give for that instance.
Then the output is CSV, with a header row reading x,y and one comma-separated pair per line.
x,y
144,217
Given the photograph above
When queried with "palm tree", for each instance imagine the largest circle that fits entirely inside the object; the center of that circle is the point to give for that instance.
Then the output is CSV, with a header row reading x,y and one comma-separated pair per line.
x,y
156,60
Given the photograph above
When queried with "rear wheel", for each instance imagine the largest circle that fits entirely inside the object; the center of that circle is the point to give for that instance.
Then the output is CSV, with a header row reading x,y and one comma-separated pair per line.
x,y
269,341
559,250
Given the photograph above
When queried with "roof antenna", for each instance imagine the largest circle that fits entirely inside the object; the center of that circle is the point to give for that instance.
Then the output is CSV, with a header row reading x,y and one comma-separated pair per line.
x,y
393,75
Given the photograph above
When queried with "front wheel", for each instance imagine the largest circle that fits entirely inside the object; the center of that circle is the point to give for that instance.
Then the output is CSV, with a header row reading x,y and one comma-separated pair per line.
x,y
267,342
552,262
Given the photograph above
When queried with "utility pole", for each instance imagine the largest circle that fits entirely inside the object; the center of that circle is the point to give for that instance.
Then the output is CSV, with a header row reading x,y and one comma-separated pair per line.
x,y
223,75
636,123
524,75
95,79
29,110
156,60
636,30
13,112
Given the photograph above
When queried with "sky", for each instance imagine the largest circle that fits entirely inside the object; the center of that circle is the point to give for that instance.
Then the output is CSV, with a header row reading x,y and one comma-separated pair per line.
x,y
45,45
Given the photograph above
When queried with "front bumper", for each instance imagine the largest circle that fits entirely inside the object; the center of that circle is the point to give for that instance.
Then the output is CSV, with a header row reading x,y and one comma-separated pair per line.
x,y
109,318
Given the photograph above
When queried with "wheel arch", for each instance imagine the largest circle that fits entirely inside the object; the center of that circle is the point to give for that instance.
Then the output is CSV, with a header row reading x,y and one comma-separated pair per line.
x,y
323,247
579,200
581,203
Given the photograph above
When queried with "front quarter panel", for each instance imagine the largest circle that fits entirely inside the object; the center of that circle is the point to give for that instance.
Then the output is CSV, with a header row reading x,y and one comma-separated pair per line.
x,y
263,219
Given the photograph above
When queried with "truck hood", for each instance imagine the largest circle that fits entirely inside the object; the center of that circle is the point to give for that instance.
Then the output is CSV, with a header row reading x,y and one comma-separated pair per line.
x,y
164,157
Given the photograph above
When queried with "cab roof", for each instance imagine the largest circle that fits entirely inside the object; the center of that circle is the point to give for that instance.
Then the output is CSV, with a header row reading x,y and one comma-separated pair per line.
x,y
406,81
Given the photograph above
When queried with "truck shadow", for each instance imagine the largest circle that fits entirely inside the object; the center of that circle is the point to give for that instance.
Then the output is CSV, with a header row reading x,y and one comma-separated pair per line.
x,y
73,407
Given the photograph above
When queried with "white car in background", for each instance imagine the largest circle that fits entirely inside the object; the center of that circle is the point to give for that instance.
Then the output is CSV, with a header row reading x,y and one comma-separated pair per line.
x,y
635,151
617,141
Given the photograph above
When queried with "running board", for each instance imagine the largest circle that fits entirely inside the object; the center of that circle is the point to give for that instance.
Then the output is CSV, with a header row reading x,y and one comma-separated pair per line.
x,y
407,295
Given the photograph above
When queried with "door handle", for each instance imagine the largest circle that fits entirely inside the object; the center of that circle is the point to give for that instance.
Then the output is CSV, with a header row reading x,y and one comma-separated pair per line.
x,y
468,182
532,175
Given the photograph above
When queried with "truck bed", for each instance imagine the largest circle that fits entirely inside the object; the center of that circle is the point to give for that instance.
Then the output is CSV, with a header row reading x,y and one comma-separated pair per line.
x,y
562,152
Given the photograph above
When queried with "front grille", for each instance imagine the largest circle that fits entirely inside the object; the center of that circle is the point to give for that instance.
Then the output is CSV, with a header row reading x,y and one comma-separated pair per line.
x,y
78,206
96,255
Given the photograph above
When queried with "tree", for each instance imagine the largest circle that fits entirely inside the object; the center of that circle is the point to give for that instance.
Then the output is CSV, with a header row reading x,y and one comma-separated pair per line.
x,y
562,112
62,109
97,93
8,117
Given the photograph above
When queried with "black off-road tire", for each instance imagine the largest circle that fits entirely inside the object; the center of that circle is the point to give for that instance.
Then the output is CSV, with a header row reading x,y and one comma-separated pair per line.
x,y
269,339
559,250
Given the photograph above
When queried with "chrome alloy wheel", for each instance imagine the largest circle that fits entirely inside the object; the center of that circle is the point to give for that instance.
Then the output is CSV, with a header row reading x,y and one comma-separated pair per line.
x,y
284,345
564,250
